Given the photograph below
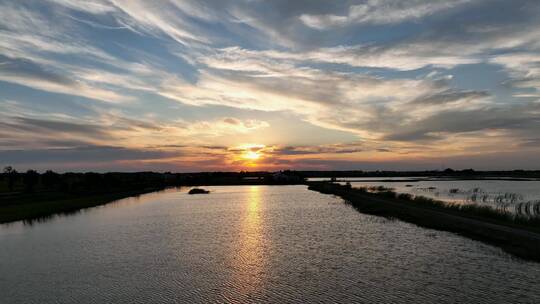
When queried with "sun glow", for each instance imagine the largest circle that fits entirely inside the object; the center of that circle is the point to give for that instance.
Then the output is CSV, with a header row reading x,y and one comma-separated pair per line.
x,y
251,155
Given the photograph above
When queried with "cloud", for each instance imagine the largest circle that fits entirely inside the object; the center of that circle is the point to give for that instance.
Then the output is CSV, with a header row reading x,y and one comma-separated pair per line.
x,y
322,149
32,133
522,119
26,68
524,69
40,130
359,103
89,6
20,36
255,72
34,58
405,57
225,126
60,126
161,17
26,73
450,96
396,78
87,154
380,12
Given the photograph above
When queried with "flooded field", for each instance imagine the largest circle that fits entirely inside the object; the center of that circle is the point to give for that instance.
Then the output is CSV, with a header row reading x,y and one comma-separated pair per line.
x,y
512,195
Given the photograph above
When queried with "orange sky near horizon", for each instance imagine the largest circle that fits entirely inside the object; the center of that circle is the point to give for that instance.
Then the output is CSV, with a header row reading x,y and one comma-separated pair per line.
x,y
197,85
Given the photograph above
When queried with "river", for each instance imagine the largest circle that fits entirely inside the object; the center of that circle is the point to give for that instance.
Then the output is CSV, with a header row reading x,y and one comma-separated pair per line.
x,y
242,244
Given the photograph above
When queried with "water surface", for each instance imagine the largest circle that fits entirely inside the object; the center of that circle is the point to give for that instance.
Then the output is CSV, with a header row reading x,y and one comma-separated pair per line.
x,y
517,196
250,244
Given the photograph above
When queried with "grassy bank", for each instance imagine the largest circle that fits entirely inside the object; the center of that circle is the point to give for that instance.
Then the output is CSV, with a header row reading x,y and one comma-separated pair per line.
x,y
516,235
38,207
483,212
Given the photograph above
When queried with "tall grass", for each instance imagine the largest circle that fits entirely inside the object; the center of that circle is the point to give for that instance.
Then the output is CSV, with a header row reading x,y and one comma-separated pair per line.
x,y
526,213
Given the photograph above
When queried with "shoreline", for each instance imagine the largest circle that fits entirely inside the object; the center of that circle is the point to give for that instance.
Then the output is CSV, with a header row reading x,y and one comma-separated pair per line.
x,y
425,179
520,241
44,209
34,207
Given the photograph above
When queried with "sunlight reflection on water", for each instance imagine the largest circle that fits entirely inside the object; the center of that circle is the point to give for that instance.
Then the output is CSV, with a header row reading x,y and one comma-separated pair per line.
x,y
243,244
248,256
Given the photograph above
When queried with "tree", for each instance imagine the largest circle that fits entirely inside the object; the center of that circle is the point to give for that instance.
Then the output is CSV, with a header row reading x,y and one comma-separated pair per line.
x,y
31,178
12,176
50,179
92,181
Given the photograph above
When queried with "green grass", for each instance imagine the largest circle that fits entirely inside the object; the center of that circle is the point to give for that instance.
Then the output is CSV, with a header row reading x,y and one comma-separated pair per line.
x,y
57,203
470,210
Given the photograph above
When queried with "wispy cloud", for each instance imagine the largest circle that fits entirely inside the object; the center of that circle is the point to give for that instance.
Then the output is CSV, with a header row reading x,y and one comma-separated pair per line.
x,y
380,12
524,69
27,73
168,80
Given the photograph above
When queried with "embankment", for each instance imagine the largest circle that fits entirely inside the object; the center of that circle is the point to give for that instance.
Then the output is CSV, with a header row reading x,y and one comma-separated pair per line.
x,y
519,240
36,208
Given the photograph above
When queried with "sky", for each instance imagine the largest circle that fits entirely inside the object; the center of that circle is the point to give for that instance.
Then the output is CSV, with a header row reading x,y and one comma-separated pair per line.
x,y
219,85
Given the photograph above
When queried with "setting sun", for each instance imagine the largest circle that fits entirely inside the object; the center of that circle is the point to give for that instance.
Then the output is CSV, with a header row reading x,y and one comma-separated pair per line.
x,y
250,152
251,155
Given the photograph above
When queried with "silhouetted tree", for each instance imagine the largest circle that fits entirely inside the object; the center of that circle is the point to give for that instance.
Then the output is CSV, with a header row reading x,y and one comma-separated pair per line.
x,y
50,179
12,176
92,181
30,180
468,171
111,181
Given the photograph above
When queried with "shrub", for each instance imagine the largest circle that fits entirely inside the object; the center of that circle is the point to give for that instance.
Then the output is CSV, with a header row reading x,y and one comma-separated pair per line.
x,y
405,196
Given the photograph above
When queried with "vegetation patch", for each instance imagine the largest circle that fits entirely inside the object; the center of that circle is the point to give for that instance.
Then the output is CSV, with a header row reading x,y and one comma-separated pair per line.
x,y
516,234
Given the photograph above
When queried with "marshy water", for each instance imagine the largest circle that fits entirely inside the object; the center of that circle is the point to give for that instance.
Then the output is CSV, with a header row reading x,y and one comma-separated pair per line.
x,y
250,244
511,195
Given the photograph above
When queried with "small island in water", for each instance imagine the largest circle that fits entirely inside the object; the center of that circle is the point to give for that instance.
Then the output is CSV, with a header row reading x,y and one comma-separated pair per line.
x,y
198,191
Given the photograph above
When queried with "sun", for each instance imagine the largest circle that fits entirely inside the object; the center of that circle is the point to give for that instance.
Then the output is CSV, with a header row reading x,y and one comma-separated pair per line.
x,y
251,155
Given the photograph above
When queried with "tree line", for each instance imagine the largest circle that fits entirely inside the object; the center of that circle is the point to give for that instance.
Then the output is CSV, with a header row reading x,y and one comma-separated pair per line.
x,y
32,181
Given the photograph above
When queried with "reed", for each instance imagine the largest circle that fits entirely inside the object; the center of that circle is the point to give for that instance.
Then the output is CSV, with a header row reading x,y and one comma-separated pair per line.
x,y
526,213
